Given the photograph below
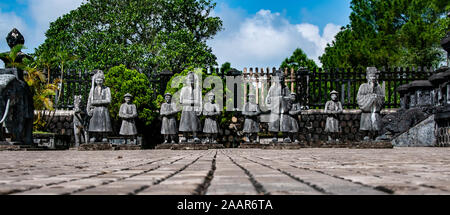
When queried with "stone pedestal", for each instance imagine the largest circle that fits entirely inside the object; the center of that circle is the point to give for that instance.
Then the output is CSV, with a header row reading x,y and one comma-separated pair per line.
x,y
189,146
97,146
282,146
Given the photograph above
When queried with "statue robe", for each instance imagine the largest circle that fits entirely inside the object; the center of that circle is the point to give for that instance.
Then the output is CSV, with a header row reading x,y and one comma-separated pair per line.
x,y
295,109
191,100
332,109
98,101
370,101
128,112
169,123
211,111
278,101
251,123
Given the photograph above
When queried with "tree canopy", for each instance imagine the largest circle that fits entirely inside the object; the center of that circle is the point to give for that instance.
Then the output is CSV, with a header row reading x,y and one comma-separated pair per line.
x,y
298,59
148,34
390,33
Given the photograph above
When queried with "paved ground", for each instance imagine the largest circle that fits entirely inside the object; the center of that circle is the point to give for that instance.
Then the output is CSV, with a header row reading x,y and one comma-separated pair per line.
x,y
228,171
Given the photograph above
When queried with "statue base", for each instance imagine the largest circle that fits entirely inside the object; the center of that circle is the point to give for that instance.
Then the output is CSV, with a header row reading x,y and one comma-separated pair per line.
x,y
375,144
283,145
251,146
96,146
105,146
17,146
190,146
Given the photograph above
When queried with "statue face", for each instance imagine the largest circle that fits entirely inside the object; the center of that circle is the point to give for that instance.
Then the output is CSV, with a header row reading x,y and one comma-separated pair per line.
x,y
334,97
168,98
211,98
252,99
99,81
372,78
127,100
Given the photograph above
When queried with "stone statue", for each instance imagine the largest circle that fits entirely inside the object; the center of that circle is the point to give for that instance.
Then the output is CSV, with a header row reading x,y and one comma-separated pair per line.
x,y
251,112
333,108
294,111
16,99
80,123
169,123
370,99
277,101
211,110
97,108
191,100
128,113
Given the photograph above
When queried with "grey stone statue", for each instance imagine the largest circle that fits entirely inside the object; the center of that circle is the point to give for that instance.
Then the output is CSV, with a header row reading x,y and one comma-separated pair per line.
x,y
277,101
191,101
370,99
211,110
128,113
169,123
16,99
80,123
97,108
333,108
251,112
294,110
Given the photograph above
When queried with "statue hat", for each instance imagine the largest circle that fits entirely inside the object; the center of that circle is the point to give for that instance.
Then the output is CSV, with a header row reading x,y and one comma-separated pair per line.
x,y
167,94
128,95
334,92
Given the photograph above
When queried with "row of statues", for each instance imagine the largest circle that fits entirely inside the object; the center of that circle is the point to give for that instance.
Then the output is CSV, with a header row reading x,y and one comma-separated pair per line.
x,y
282,104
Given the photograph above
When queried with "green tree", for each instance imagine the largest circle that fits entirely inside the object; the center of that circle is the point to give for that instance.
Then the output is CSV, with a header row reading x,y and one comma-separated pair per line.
x,y
390,33
160,34
297,60
122,81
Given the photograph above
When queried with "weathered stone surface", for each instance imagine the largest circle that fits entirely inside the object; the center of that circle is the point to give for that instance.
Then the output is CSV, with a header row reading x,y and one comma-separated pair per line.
x,y
420,135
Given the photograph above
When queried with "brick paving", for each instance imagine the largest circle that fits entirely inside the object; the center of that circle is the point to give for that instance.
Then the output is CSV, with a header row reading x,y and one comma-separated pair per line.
x,y
227,171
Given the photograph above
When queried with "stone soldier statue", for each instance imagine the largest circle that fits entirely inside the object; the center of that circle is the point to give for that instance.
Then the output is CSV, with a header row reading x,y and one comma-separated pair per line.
x,y
169,123
211,110
333,108
80,122
97,108
370,99
128,113
191,100
277,101
294,110
251,112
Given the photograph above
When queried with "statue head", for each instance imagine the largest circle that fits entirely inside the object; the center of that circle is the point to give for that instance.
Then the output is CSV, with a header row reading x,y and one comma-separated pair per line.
x,y
99,77
15,38
293,97
211,97
168,97
334,95
127,97
191,78
372,75
279,77
252,98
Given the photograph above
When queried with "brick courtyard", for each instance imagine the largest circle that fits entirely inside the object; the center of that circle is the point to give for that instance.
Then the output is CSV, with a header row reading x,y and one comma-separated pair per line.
x,y
227,171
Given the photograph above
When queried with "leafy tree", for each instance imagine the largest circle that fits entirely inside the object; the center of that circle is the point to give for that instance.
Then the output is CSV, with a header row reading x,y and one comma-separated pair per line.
x,y
297,60
160,34
122,81
390,33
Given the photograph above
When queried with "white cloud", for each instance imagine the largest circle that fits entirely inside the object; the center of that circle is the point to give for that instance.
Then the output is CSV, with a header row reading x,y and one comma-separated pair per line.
x,y
8,21
265,39
43,12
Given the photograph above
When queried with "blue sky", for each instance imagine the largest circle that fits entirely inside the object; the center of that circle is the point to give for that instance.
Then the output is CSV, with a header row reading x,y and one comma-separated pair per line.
x,y
257,33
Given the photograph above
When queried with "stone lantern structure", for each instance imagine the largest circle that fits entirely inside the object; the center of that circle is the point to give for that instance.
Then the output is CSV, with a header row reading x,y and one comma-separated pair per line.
x,y
420,93
404,96
440,82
